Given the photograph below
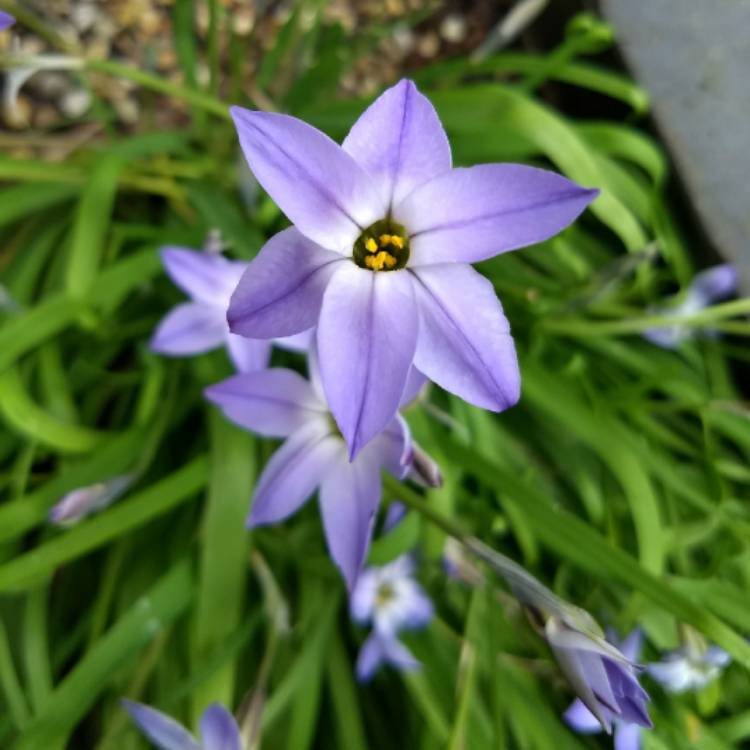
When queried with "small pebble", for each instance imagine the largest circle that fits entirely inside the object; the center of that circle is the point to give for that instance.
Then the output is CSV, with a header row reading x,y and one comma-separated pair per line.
x,y
127,110
403,36
429,44
243,21
75,103
84,16
453,28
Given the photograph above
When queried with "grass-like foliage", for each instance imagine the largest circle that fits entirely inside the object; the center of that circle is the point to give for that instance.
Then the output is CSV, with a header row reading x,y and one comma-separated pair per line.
x,y
620,479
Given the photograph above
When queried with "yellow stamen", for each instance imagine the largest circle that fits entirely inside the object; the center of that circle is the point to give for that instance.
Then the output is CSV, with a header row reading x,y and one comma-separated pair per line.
x,y
385,239
370,245
380,260
397,241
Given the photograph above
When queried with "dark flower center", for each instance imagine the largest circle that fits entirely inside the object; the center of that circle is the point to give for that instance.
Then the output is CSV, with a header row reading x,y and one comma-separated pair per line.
x,y
384,595
383,246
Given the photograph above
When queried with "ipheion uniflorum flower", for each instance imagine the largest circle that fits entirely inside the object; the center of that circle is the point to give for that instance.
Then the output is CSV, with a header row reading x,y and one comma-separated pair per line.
x,y
378,259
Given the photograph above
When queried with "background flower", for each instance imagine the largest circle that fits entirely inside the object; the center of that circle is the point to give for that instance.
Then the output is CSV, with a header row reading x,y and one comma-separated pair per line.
x,y
219,730
689,668
391,600
281,403
708,287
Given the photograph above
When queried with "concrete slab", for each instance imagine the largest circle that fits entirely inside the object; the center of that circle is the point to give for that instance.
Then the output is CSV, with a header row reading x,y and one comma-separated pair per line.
x,y
693,56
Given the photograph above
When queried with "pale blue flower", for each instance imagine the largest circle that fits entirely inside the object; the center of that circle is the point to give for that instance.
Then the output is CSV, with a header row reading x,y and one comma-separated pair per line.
x,y
218,728
709,286
391,600
689,668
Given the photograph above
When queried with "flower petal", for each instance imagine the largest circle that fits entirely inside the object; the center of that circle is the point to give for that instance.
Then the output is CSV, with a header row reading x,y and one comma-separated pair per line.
x,y
281,292
83,501
714,284
206,277
370,658
572,670
320,188
632,645
248,355
219,730
472,214
418,607
627,737
392,448
630,696
274,402
398,656
363,596
297,342
293,473
162,730
189,328
415,382
581,719
6,20
366,340
349,497
716,656
393,516
399,140
464,342
597,678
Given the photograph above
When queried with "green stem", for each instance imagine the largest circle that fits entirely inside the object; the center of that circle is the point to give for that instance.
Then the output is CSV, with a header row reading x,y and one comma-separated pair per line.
x,y
160,85
9,683
709,316
524,586
31,21
213,47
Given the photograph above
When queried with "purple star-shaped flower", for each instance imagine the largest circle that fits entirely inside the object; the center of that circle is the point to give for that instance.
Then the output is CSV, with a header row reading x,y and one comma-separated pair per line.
x,y
281,403
627,735
200,325
219,730
391,599
378,258
6,20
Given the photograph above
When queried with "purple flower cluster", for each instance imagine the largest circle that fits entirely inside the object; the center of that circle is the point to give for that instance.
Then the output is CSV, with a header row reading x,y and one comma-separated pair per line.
x,y
374,281
375,278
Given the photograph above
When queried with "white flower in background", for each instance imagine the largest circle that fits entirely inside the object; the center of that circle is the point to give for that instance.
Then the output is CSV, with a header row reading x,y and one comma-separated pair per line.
x,y
391,600
709,286
689,668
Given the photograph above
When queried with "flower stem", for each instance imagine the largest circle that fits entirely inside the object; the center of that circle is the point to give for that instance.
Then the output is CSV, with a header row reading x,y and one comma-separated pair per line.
x,y
710,316
524,586
155,83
